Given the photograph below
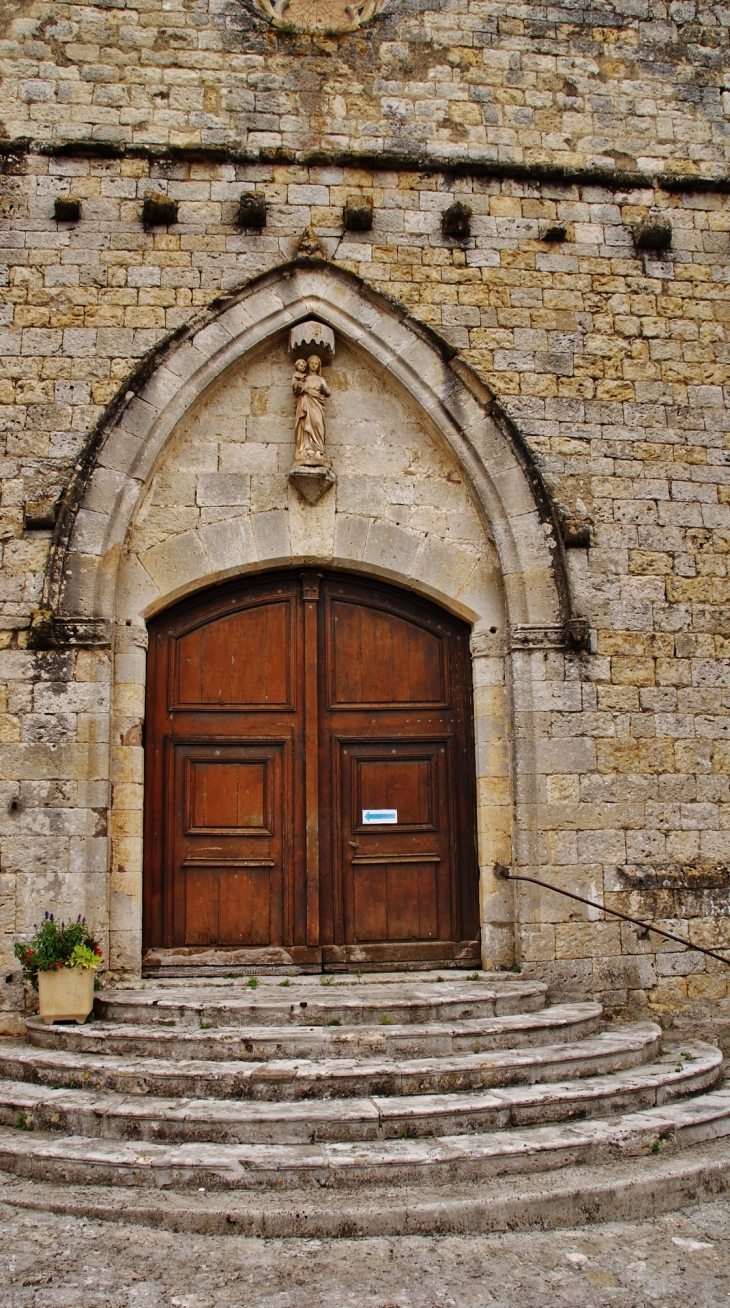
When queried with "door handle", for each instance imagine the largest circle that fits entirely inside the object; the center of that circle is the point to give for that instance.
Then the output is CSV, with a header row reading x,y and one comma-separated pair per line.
x,y
355,844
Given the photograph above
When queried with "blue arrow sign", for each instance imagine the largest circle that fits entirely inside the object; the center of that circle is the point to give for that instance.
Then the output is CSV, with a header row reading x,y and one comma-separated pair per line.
x,y
379,816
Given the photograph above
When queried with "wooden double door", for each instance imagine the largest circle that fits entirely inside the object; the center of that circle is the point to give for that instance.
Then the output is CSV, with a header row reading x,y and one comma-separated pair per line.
x,y
310,773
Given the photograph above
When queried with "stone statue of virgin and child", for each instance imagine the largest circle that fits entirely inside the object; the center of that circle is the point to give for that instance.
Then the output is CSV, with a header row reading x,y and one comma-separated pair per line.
x,y
310,391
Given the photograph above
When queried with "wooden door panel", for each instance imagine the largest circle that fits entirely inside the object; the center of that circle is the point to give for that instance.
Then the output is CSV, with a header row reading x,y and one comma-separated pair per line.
x,y
228,797
242,660
407,786
229,823
395,901
378,658
397,875
229,906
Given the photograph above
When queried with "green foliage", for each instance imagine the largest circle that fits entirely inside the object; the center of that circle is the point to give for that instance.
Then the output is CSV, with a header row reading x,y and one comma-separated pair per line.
x,y
285,983
253,983
23,1122
385,1021
407,1133
56,945
82,956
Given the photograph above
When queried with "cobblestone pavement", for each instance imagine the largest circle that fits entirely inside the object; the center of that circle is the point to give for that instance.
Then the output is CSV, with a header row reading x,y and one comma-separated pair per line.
x,y
677,1261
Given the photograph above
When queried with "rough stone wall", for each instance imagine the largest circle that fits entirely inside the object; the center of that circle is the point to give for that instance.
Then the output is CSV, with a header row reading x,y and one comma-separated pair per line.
x,y
628,82
613,365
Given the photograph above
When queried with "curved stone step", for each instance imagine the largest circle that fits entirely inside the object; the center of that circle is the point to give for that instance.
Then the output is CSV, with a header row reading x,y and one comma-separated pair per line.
x,y
288,1079
225,1121
629,1189
456,1158
308,1002
253,1044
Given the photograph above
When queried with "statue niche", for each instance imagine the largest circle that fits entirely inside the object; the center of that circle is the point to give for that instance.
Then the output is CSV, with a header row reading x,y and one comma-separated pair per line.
x,y
311,472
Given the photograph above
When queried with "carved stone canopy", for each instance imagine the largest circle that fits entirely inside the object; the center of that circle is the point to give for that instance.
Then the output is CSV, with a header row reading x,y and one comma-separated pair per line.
x,y
312,337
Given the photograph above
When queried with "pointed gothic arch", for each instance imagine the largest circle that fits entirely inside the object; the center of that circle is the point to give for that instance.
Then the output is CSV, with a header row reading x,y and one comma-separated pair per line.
x,y
99,504
85,603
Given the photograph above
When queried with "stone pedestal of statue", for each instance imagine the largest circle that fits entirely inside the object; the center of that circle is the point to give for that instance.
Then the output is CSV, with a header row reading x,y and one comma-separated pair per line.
x,y
311,480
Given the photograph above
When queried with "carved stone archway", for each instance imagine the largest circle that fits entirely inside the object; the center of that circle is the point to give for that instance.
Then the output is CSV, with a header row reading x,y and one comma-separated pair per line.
x,y
89,601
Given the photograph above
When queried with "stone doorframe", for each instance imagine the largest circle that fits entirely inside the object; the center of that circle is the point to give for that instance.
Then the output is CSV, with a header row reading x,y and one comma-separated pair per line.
x,y
90,602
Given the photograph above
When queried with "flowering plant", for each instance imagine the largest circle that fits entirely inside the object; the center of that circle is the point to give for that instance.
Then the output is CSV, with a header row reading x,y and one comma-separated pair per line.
x,y
57,945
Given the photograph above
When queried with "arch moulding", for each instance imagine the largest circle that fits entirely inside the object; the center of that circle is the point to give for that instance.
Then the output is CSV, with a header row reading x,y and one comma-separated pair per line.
x,y
100,502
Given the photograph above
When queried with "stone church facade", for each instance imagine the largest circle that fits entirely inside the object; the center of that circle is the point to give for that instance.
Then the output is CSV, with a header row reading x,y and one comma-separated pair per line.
x,y
514,222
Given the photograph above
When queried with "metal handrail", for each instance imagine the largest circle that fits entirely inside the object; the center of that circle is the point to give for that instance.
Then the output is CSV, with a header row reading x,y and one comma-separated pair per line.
x,y
501,871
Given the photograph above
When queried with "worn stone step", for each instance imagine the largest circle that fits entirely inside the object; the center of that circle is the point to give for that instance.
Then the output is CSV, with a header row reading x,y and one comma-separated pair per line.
x,y
627,1189
224,1121
263,1043
289,1079
308,1002
401,1163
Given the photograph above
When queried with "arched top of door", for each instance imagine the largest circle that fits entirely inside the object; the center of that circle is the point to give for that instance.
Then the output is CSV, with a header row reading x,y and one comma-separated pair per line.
x,y
101,499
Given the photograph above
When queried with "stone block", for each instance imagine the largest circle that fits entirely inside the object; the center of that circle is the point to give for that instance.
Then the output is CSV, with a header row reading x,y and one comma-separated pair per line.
x,y
176,562
228,545
271,534
216,488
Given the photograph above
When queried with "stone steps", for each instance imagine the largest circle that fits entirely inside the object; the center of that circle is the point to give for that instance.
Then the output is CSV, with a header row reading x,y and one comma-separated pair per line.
x,y
446,1159
625,1189
288,1079
404,1095
306,1001
264,1043
146,1117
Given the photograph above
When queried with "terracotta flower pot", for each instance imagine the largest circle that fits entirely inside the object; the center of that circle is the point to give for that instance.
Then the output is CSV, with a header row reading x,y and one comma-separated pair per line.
x,y
66,993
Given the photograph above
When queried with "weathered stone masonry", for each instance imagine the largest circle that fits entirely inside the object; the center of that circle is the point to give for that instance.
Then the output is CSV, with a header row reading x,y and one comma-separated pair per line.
x,y
610,364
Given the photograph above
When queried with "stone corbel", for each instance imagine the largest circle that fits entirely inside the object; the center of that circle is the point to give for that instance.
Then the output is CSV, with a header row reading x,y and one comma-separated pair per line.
x,y
574,634
49,631
529,637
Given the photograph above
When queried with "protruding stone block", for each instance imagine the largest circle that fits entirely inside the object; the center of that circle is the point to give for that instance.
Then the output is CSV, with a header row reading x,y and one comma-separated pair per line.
x,y
456,221
40,515
358,213
252,210
576,533
158,210
66,209
553,232
654,232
